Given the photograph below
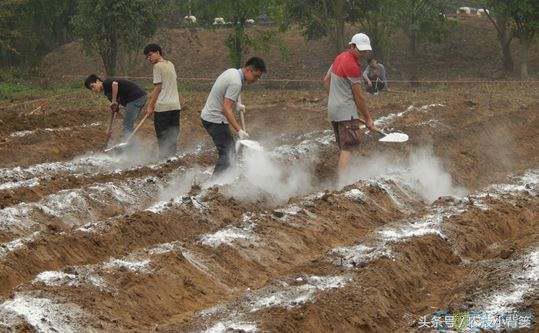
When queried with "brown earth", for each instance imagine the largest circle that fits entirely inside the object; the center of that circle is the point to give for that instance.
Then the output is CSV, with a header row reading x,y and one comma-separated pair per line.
x,y
481,135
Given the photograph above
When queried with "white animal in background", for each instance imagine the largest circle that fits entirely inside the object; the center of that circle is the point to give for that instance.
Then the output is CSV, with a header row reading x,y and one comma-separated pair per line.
x,y
464,10
250,21
218,21
481,12
190,19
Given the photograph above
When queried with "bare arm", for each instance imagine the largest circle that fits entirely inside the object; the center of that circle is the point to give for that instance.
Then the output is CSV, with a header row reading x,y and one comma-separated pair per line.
x,y
327,80
366,76
114,92
384,75
361,105
153,98
228,112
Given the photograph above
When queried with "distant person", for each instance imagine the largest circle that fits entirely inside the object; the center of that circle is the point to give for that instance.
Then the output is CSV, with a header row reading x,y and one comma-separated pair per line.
x,y
164,101
218,112
120,92
375,77
343,81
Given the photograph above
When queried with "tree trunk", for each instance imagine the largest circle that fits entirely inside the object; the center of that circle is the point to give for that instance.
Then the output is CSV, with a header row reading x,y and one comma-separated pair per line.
x,y
413,44
237,44
504,37
508,65
412,56
524,55
110,56
339,26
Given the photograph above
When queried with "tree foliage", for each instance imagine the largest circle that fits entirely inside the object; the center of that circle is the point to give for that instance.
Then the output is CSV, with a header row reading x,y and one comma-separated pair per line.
x,y
108,27
237,12
321,18
420,20
30,29
375,18
522,18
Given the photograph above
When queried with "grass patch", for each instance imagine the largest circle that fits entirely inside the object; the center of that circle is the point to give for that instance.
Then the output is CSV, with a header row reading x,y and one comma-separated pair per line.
x,y
15,92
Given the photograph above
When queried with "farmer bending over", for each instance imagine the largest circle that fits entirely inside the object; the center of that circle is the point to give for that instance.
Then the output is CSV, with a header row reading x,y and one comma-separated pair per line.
x,y
218,113
120,92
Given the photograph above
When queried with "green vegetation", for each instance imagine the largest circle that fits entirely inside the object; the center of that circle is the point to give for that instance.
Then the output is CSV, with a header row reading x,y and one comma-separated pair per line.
x,y
237,12
15,92
115,30
111,27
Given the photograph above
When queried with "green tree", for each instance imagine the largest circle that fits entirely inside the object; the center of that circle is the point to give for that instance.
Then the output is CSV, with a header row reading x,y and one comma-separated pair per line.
x,y
29,29
321,18
502,22
238,12
7,17
420,20
376,21
525,14
108,27
518,18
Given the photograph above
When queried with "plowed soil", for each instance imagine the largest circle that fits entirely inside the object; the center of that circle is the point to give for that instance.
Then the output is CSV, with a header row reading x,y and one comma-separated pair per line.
x,y
445,223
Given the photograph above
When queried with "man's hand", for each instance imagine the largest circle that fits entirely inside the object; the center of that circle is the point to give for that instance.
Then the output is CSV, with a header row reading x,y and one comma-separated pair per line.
x,y
240,107
243,135
114,107
369,83
370,124
150,110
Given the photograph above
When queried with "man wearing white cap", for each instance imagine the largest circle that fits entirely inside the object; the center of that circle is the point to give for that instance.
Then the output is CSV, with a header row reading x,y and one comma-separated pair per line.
x,y
343,80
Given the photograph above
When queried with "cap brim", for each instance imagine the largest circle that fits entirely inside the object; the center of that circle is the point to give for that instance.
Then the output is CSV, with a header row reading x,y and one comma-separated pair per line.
x,y
364,47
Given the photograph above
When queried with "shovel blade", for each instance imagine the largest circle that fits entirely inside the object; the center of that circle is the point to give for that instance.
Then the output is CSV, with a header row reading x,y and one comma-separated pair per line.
x,y
394,137
251,144
116,147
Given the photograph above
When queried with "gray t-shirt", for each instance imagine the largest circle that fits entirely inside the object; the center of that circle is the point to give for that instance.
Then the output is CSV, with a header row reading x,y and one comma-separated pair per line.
x,y
228,85
168,99
345,72
372,73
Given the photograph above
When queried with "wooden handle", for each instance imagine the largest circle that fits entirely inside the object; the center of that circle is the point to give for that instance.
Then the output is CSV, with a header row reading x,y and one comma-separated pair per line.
x,y
377,130
109,130
242,117
112,117
137,128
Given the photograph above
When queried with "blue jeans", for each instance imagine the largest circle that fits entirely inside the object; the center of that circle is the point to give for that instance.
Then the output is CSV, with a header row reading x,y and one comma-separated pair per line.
x,y
132,111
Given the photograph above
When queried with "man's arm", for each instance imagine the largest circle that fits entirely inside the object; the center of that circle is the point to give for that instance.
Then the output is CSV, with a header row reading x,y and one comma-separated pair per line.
x,y
114,107
384,76
153,98
327,80
114,92
228,112
366,75
361,105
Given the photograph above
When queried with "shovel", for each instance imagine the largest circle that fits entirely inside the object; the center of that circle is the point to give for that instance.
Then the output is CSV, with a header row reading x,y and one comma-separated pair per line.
x,y
389,137
122,145
251,144
109,131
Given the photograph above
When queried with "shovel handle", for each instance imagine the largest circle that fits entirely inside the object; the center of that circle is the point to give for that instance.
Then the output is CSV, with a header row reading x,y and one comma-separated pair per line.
x,y
109,130
242,118
137,128
377,130
112,117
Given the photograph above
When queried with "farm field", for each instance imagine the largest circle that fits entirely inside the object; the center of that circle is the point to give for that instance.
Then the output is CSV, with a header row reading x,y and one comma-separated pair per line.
x,y
446,223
